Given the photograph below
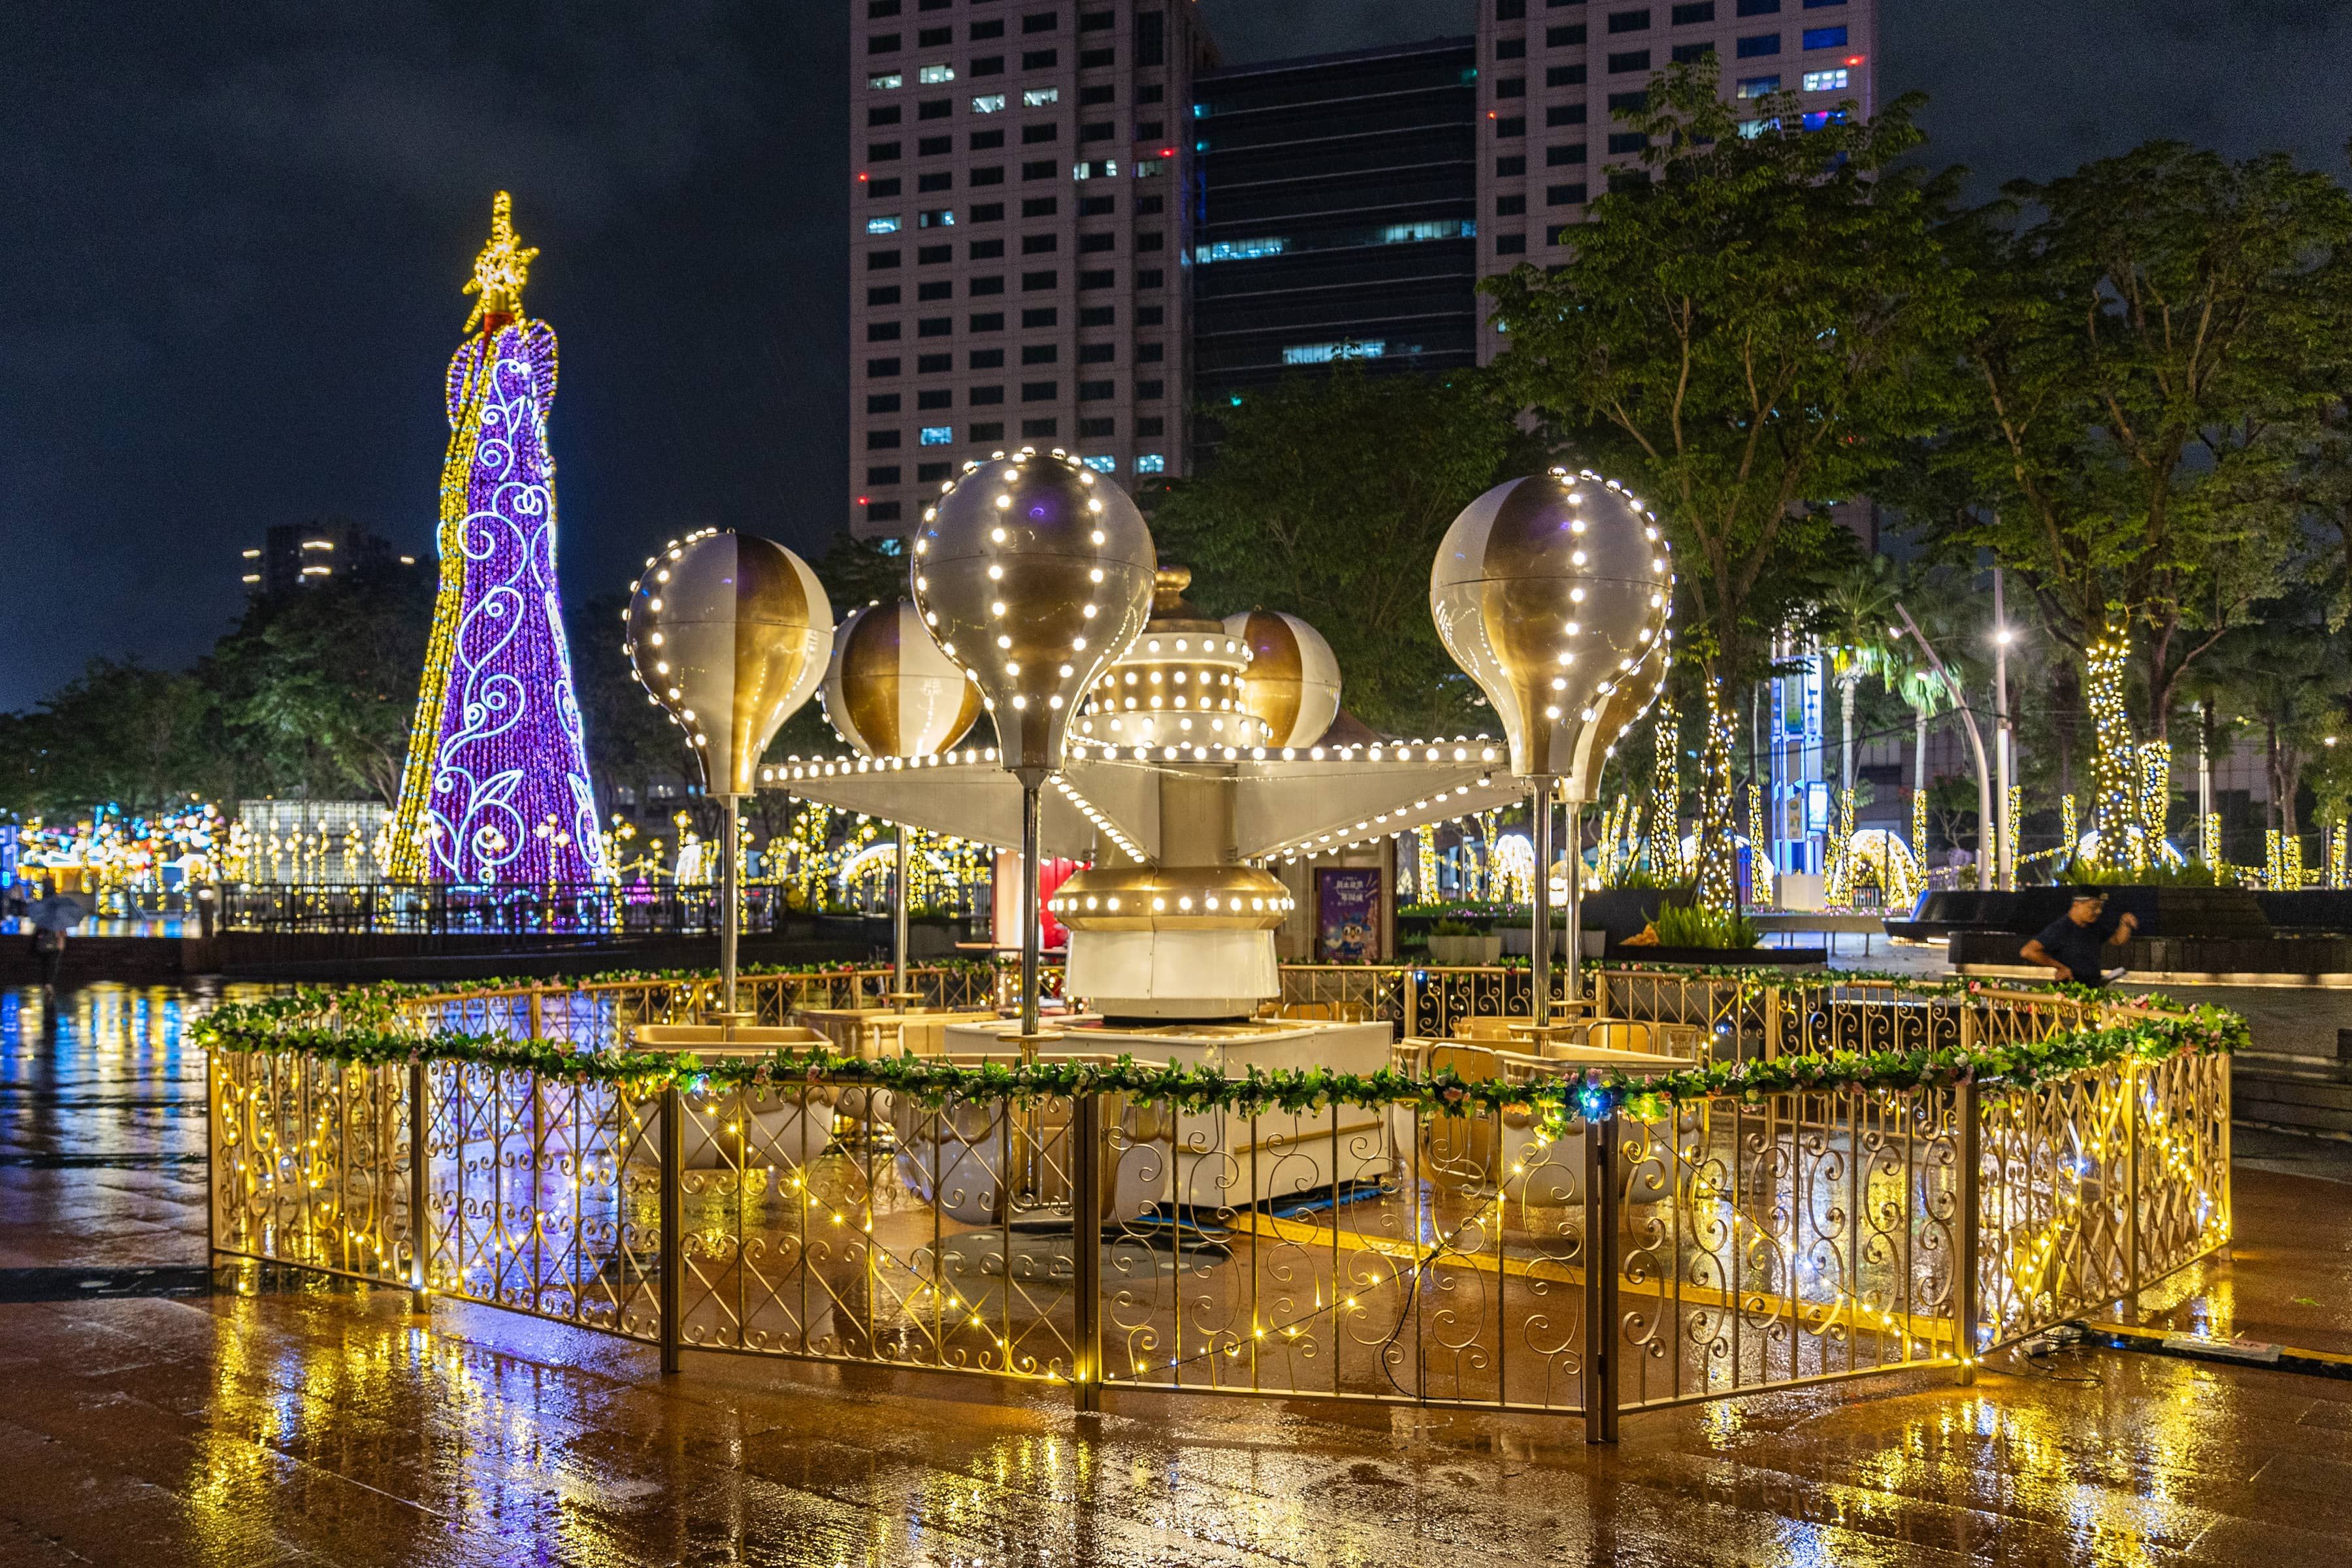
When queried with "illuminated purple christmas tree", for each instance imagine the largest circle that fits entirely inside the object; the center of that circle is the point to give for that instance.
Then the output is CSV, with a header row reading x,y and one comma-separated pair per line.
x,y
497,788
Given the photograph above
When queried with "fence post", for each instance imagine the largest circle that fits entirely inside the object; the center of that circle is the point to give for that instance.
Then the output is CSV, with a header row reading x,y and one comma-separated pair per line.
x,y
420,1218
212,1141
1602,1264
538,1014
1771,1022
2131,1186
1086,1233
673,1224
1965,1276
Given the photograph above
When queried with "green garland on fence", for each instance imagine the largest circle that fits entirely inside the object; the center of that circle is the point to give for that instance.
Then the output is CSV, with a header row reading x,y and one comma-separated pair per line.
x,y
360,1031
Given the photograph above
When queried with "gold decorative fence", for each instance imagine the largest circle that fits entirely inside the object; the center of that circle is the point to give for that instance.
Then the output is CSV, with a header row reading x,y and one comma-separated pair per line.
x,y
1521,1258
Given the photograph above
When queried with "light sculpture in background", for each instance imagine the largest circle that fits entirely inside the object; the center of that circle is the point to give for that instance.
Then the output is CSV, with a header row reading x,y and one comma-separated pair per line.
x,y
1033,574
891,693
496,787
1552,592
731,633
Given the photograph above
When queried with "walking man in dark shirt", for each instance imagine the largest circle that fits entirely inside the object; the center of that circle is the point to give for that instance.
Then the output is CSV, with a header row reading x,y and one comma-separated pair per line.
x,y
2070,946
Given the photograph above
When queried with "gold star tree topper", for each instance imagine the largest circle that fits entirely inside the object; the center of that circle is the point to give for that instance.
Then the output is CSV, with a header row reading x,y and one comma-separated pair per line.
x,y
503,267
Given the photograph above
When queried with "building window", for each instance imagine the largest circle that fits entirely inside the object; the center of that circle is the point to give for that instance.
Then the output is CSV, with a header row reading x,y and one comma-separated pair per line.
x,y
1564,38
1104,278
1089,244
1825,38
1563,195
886,116
882,473
986,249
1040,353
1564,114
941,290
881,331
1040,21
1150,463
1151,391
1039,96
1627,142
1033,134
1098,390
991,175
988,103
1097,206
1759,45
882,402
987,140
1629,21
878,9
1108,315
1558,233
980,286
877,190
935,364
985,396
990,430
1101,464
1692,16
1507,168
1151,354
934,38
988,64
888,224
1041,207
938,180
1510,244
1037,169
1515,125
1097,169
1032,282
1037,429
932,75
1505,11
935,217
1102,92
881,441
1097,428
1819,118
1510,207
1629,103
932,473
1098,353
883,511
1511,87
935,327
882,151
1101,131
990,29
1150,38
1096,21
1817,4
938,435
934,255
987,322
881,260
988,212
884,81
1145,315
877,368
1039,59
935,146
1826,82
1149,169
986,359
1325,353
939,397
1758,86
1040,244
882,43
1759,7
1564,76
1630,60
1691,53
1043,316
1563,153
1510,48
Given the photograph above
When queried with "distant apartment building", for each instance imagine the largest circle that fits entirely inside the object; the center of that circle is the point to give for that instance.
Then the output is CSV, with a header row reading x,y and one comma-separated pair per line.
x,y
1024,185
293,555
1070,226
1339,219
1555,73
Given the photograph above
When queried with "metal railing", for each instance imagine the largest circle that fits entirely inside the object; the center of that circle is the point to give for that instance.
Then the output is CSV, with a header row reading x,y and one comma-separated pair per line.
x,y
1515,1258
443,908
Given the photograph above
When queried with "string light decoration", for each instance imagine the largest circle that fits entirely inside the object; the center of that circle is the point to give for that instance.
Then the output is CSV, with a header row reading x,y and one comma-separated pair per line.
x,y
2016,831
2069,824
1919,824
2209,839
497,750
1716,855
2154,789
2335,854
2115,793
1665,796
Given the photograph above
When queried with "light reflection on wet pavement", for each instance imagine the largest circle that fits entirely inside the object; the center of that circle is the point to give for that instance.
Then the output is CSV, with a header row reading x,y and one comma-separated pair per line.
x,y
150,1419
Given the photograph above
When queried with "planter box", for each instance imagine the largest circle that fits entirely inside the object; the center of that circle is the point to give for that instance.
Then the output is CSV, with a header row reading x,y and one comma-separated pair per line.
x,y
1464,952
1782,957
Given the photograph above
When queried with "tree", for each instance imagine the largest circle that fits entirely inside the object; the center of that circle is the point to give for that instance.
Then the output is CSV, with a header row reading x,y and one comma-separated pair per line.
x,y
1328,499
1852,622
1750,332
2294,683
2156,324
631,740
117,734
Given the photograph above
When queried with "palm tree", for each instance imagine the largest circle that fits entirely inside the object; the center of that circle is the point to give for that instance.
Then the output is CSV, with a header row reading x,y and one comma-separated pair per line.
x,y
1851,620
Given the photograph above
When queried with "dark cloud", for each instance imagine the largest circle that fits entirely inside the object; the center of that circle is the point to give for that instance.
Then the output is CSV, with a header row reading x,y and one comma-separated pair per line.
x,y
235,236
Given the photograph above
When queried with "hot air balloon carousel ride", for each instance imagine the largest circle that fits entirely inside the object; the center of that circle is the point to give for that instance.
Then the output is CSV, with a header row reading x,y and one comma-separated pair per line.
x,y
1160,767
898,702
1552,592
730,634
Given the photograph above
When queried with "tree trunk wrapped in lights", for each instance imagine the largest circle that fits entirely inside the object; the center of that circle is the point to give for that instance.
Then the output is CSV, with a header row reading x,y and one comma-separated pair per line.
x,y
2115,800
1666,797
1718,886
1919,824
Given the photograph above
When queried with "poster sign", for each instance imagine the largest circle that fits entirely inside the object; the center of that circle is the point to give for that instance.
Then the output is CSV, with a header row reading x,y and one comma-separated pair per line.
x,y
1348,914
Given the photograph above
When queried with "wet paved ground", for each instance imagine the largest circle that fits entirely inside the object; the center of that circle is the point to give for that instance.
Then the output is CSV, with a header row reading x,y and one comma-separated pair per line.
x,y
146,1418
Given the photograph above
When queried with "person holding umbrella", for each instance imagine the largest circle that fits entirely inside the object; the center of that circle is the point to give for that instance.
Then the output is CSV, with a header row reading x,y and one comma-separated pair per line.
x,y
51,917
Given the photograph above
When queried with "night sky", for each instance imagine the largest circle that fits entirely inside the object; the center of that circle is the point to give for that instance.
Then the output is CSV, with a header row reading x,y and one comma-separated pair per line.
x,y
235,236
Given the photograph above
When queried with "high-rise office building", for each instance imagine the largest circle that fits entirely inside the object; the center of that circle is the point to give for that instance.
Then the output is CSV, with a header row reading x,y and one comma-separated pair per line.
x,y
1556,72
1022,206
1339,217
294,555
